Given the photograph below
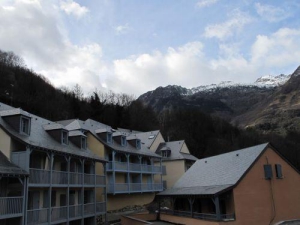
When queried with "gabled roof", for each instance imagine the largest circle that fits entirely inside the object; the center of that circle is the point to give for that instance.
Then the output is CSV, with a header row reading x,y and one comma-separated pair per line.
x,y
40,138
216,173
95,127
9,169
176,154
13,112
147,138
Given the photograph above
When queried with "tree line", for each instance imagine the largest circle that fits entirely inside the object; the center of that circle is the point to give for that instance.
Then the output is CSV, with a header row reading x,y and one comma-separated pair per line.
x,y
204,134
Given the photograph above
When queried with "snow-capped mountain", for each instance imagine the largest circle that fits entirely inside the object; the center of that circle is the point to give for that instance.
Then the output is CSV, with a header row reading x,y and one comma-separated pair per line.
x,y
243,104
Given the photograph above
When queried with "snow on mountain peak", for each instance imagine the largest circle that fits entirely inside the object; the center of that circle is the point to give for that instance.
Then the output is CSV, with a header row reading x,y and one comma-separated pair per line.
x,y
268,81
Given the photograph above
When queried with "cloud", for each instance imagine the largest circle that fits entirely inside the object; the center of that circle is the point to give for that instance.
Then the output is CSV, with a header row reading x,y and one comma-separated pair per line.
x,y
34,34
122,29
73,8
271,13
234,24
278,49
205,3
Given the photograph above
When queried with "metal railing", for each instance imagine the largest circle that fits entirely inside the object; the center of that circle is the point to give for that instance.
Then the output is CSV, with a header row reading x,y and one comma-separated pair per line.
x,y
10,206
196,215
37,216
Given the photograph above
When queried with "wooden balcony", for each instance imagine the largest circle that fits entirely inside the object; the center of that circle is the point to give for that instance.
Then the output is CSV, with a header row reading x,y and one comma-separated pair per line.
x,y
132,167
127,188
39,177
60,214
11,207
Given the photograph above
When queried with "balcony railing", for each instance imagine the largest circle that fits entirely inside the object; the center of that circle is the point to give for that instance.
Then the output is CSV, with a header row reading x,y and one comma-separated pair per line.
x,y
89,209
40,216
10,207
42,177
37,216
132,167
100,207
59,213
204,216
39,176
134,187
75,211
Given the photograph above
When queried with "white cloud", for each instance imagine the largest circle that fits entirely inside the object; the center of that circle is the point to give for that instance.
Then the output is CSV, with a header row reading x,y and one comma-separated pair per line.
x,y
278,49
122,29
234,24
205,3
33,33
73,8
271,13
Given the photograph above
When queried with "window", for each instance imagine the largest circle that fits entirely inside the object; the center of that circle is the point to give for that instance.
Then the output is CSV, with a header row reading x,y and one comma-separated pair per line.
x,y
25,125
164,153
109,137
123,141
83,142
278,171
268,172
138,144
64,137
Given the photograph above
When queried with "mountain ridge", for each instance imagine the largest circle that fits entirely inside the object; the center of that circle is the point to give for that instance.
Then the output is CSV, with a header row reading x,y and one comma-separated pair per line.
x,y
242,104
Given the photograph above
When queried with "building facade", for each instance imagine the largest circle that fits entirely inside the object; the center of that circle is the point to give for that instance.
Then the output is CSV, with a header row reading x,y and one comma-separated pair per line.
x,y
250,186
130,169
63,181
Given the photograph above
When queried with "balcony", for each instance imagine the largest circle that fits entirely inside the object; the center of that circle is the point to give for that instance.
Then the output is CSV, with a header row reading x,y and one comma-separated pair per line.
x,y
134,187
132,167
11,207
60,214
39,177
203,216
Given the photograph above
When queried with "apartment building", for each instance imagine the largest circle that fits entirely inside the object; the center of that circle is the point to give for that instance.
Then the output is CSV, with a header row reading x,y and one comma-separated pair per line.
x,y
63,181
131,166
176,157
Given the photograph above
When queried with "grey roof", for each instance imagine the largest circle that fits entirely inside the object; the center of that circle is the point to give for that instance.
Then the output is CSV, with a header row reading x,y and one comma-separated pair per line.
x,y
95,127
40,138
147,138
222,171
176,153
74,133
54,126
8,168
13,112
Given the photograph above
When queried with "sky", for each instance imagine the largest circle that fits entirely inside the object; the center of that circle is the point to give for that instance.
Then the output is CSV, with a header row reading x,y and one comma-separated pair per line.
x,y
134,46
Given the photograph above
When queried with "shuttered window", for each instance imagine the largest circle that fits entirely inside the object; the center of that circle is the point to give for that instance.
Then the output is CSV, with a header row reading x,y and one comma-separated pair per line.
x,y
268,172
278,171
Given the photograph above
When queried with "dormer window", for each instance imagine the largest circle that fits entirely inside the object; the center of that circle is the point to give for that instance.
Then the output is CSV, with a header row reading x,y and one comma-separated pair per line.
x,y
109,138
83,142
123,141
64,137
25,125
138,144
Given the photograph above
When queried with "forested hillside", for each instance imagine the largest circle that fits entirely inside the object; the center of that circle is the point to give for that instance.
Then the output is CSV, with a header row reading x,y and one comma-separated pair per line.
x,y
205,135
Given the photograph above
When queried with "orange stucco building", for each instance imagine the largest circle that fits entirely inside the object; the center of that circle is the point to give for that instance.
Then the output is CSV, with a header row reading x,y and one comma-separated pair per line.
x,y
250,186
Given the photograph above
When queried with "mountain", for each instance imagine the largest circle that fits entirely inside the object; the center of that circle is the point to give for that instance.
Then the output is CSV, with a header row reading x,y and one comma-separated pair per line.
x,y
265,104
